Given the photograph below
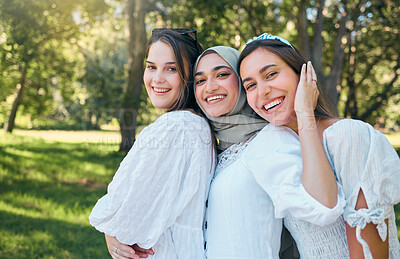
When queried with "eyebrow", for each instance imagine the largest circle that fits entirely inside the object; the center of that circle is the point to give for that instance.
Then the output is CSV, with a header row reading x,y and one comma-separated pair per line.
x,y
213,70
167,63
262,70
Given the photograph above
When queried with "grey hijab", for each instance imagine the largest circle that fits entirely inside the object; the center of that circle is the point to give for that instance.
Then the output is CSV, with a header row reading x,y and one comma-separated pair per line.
x,y
240,123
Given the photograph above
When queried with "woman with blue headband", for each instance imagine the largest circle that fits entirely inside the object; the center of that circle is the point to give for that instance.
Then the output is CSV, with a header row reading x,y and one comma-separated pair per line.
x,y
364,162
254,184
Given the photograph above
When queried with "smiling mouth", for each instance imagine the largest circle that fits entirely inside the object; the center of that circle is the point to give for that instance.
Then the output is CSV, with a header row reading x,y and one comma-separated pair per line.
x,y
215,97
270,106
161,90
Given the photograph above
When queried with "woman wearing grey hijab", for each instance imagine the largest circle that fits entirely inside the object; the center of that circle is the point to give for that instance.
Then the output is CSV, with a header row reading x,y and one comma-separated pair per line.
x,y
240,220
234,128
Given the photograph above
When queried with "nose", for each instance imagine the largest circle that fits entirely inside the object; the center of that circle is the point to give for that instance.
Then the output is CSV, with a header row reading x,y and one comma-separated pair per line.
x,y
159,77
211,86
263,90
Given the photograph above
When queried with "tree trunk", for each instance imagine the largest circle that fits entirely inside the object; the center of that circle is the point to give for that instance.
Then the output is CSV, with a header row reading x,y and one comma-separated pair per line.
x,y
301,26
337,64
351,107
9,125
136,38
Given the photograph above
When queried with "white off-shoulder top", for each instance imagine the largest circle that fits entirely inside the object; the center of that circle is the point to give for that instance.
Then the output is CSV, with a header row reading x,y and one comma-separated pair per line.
x,y
157,196
362,158
256,184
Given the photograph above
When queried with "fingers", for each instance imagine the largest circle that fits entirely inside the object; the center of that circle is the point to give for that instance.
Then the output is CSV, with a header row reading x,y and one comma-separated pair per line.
x,y
313,73
303,74
309,73
142,252
118,250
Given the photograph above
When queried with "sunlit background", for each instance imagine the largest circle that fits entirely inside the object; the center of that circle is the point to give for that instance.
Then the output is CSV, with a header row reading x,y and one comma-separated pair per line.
x,y
71,98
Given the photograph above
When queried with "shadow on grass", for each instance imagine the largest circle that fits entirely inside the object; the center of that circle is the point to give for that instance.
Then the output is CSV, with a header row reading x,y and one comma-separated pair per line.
x,y
47,190
57,174
40,238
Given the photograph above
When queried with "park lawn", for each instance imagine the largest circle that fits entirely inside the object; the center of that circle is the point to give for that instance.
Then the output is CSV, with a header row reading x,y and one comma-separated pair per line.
x,y
47,190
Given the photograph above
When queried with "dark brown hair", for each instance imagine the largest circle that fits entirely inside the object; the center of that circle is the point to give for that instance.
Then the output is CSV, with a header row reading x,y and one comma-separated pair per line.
x,y
292,57
186,50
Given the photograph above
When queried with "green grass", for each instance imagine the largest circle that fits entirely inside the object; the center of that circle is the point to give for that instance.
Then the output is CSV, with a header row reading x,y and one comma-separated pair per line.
x,y
394,138
47,190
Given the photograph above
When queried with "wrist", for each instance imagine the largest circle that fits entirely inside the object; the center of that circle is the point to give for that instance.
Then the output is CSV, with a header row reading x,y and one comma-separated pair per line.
x,y
306,121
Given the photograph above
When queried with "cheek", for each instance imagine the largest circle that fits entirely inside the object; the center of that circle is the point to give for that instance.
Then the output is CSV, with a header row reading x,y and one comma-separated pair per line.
x,y
198,94
233,90
175,82
251,99
146,78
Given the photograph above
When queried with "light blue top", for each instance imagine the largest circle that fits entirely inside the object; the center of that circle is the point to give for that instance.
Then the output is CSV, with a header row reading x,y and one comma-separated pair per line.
x,y
362,158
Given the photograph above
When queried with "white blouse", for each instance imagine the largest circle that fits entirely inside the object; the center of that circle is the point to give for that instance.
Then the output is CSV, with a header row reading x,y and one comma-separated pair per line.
x,y
256,184
362,158
157,196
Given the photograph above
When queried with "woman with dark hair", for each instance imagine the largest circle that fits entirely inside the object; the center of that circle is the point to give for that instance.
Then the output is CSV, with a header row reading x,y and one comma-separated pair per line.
x,y
281,90
156,198
254,184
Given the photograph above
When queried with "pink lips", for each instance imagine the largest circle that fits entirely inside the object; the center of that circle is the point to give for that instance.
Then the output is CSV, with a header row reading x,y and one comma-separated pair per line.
x,y
273,104
160,90
215,98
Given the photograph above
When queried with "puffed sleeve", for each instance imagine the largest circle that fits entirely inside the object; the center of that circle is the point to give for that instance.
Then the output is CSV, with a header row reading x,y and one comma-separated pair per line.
x,y
153,185
362,158
274,159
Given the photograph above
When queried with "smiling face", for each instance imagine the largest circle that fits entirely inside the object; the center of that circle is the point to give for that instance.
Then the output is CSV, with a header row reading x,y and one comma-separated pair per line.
x,y
217,86
271,87
161,77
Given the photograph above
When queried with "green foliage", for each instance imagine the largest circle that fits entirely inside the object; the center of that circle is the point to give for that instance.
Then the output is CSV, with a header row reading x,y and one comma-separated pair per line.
x,y
47,190
77,53
42,36
372,68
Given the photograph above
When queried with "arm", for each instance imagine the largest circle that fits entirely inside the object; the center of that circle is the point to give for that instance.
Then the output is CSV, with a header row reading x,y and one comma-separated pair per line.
x,y
152,185
367,167
379,248
317,177
278,172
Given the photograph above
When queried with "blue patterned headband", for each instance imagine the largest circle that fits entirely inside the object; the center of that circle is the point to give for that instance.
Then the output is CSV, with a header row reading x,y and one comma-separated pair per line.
x,y
266,36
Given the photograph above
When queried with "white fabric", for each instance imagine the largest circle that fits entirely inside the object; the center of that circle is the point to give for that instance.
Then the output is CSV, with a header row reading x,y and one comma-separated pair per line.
x,y
362,158
157,196
242,221
319,232
274,160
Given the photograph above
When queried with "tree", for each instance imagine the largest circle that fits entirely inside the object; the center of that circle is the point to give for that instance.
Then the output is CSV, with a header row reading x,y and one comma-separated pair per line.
x,y
372,70
136,40
31,28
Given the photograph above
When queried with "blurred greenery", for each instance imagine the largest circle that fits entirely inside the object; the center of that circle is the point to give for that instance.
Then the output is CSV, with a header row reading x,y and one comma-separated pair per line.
x,y
71,58
67,61
47,190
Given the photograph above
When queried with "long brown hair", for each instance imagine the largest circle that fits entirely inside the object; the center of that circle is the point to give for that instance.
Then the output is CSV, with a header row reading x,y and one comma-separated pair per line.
x,y
292,57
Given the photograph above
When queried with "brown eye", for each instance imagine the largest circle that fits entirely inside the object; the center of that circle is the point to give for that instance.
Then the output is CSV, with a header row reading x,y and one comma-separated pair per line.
x,y
223,75
271,75
198,82
250,86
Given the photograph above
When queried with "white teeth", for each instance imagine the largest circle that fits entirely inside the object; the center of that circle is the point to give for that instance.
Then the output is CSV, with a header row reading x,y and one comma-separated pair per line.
x,y
215,97
160,90
272,104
